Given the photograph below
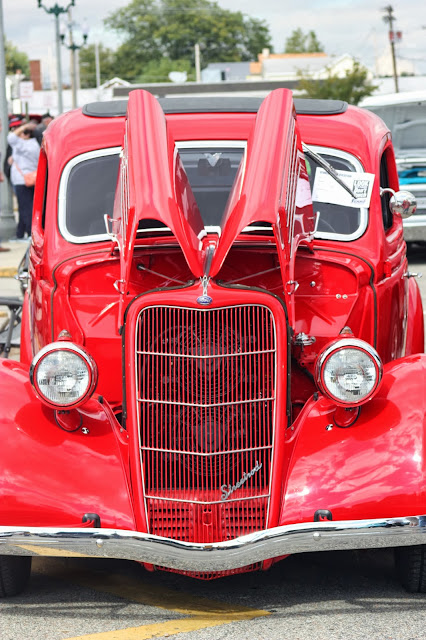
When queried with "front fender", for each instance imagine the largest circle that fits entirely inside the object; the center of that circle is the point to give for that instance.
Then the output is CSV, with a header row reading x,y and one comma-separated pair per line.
x,y
415,342
375,468
50,477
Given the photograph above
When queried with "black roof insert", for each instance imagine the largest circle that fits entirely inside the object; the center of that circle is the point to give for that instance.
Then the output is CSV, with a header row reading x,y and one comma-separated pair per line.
x,y
215,104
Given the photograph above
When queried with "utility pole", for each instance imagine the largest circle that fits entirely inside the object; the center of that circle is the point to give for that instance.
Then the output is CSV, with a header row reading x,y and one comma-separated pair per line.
x,y
56,10
7,221
390,19
74,49
98,68
197,63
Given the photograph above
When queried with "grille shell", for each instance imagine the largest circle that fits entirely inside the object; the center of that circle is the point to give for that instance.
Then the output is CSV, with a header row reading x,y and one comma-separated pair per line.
x,y
206,404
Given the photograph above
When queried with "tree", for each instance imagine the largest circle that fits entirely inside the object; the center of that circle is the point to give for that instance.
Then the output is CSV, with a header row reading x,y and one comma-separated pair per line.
x,y
107,65
300,42
15,60
158,70
153,29
352,87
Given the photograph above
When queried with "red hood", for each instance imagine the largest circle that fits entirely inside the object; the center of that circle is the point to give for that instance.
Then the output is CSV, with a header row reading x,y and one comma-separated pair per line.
x,y
271,185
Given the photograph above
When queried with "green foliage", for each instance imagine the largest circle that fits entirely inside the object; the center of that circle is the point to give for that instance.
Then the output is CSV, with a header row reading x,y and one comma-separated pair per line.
x,y
158,70
352,88
158,30
300,42
15,60
107,65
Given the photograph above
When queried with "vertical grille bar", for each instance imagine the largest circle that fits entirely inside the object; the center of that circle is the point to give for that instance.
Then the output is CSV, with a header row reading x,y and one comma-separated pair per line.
x,y
206,401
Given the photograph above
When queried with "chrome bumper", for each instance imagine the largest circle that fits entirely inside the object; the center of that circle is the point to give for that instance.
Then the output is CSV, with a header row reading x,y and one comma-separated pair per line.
x,y
219,556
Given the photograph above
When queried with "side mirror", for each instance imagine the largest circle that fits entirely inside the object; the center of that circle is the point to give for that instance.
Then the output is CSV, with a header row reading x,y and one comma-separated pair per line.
x,y
402,203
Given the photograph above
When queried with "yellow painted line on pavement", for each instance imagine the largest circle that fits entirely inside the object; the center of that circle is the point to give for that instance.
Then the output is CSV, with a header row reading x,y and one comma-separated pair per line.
x,y
8,272
50,551
201,613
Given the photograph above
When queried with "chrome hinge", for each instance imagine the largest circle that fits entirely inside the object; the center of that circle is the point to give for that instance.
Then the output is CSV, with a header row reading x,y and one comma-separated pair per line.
x,y
412,274
291,286
117,286
303,340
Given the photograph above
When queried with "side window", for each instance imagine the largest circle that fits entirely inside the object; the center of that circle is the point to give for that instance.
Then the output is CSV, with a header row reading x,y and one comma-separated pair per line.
x,y
336,221
86,194
90,194
384,183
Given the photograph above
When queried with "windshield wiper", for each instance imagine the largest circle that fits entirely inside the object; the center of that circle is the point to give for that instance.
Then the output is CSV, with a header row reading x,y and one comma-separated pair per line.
x,y
327,167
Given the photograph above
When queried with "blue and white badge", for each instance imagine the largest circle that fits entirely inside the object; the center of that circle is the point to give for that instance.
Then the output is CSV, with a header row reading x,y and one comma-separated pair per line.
x,y
204,299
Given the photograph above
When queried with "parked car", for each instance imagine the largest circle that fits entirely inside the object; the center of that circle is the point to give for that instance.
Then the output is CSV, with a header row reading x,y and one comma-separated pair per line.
x,y
405,115
216,370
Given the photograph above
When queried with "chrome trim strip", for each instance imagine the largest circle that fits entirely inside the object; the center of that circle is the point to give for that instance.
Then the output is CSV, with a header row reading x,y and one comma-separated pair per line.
x,y
212,453
205,406
213,355
193,501
219,556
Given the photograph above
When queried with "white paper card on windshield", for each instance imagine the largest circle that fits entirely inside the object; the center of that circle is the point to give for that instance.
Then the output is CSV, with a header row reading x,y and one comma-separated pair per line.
x,y
326,189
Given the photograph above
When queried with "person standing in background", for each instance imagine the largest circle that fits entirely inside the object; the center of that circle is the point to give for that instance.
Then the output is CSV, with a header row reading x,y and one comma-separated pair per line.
x,y
46,119
25,153
2,249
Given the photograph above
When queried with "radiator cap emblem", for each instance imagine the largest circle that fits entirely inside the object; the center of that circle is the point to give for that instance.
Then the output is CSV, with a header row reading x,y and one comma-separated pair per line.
x,y
204,299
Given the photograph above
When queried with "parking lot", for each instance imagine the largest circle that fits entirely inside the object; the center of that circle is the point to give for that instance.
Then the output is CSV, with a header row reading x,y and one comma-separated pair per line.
x,y
318,596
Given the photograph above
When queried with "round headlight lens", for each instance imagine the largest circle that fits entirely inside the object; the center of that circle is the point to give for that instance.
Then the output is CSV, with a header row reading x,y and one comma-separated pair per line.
x,y
63,376
349,371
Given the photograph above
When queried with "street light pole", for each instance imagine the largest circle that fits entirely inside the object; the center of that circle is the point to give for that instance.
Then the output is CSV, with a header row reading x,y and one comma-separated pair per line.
x,y
56,10
390,18
7,221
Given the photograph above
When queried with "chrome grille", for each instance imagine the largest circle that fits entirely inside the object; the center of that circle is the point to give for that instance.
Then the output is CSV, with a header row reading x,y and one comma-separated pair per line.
x,y
206,406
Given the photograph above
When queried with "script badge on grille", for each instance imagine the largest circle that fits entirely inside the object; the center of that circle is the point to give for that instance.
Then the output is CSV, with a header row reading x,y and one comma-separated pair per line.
x,y
227,489
204,299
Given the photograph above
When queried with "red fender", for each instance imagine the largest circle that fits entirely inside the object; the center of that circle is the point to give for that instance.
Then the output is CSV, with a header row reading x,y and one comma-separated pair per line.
x,y
373,469
415,323
50,477
25,351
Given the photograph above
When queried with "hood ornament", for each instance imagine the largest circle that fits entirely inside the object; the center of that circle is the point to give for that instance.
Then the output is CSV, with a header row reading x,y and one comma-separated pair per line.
x,y
205,299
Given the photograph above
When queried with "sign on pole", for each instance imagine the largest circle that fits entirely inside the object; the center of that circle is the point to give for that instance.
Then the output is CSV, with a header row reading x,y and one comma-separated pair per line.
x,y
26,89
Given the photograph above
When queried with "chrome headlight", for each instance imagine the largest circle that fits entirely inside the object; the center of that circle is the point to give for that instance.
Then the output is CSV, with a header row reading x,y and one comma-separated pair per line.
x,y
63,375
348,371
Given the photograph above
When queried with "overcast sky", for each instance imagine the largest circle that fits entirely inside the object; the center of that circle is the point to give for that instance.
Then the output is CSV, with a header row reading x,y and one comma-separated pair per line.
x,y
342,26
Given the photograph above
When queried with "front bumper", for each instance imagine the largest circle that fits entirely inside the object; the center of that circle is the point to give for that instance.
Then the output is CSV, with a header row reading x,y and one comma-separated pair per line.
x,y
219,556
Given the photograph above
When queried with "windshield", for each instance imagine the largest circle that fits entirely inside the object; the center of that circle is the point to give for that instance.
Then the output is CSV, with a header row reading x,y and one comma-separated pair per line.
x,y
211,171
89,180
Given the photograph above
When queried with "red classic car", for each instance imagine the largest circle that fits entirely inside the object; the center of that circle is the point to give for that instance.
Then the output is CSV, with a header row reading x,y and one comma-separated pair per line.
x,y
221,343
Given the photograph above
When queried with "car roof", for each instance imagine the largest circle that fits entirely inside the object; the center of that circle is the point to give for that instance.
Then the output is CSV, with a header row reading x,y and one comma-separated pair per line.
x,y
215,104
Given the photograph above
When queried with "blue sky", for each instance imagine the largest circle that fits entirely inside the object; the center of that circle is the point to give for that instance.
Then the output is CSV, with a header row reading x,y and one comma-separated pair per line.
x,y
342,26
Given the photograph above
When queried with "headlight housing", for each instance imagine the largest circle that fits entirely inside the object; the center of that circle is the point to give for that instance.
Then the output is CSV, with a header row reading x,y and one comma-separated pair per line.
x,y
348,371
63,375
